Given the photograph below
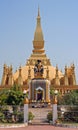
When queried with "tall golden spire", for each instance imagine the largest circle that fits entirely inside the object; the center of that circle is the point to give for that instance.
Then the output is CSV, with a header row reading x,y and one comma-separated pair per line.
x,y
38,36
38,42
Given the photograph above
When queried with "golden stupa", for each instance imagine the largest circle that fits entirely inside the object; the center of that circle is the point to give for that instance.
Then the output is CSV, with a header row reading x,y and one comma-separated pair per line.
x,y
25,73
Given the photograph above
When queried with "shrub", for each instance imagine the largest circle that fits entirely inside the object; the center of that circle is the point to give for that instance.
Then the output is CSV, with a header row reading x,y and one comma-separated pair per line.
x,y
1,117
71,116
49,116
30,116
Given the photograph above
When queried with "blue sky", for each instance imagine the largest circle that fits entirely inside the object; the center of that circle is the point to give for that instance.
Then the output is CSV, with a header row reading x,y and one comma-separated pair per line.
x,y
59,19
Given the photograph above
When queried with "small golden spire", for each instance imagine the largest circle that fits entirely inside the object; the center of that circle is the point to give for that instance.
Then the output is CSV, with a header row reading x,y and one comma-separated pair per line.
x,y
20,70
65,69
56,70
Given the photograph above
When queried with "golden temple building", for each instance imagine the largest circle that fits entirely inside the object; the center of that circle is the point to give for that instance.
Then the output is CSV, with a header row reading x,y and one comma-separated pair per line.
x,y
63,82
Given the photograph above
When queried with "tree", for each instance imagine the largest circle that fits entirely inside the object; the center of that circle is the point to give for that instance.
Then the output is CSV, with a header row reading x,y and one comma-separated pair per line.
x,y
70,98
3,96
13,96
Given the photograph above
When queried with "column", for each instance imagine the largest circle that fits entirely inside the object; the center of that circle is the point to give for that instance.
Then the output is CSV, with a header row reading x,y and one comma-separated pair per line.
x,y
26,111
55,116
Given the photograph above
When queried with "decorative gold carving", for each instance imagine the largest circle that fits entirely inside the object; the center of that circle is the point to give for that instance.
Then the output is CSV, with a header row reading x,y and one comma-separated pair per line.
x,y
47,73
29,73
26,101
55,100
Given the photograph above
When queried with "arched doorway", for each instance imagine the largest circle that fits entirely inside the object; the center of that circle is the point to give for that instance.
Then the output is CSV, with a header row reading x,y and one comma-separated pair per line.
x,y
39,94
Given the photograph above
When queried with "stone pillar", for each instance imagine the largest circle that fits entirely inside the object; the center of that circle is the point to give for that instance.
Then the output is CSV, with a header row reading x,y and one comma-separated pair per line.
x,y
54,113
54,108
26,110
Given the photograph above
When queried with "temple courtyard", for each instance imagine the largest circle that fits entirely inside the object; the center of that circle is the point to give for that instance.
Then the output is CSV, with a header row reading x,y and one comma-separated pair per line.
x,y
39,127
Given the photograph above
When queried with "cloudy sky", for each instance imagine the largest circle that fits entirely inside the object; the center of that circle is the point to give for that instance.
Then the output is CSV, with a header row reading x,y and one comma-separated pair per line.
x,y
59,19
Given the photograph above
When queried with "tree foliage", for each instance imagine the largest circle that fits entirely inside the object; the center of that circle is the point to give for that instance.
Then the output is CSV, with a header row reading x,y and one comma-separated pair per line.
x,y
70,98
13,96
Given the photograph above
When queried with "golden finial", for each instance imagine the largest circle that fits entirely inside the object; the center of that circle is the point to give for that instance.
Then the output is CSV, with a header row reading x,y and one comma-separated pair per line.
x,y
38,11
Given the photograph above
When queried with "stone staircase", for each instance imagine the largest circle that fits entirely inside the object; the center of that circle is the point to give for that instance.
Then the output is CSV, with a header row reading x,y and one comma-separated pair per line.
x,y
40,115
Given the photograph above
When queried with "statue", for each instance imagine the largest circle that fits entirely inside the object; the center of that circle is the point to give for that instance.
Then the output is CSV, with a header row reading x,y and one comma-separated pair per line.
x,y
38,69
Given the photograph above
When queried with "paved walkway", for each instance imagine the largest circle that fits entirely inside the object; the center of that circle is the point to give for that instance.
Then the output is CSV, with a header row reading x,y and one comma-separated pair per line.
x,y
37,127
